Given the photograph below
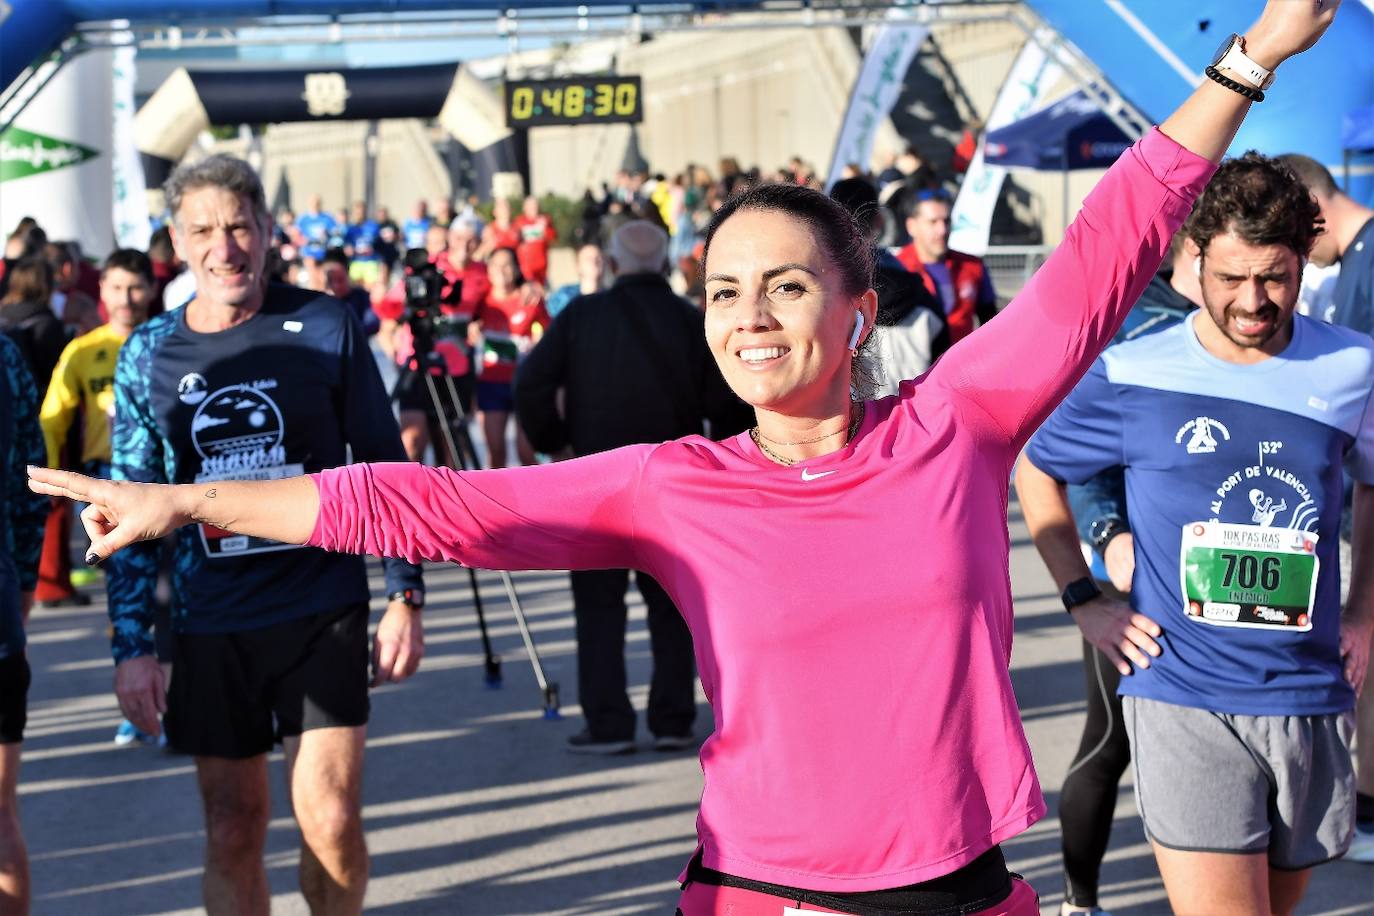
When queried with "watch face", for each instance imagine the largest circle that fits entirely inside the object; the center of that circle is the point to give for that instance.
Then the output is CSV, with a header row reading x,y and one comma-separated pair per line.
x,y
1080,592
1225,46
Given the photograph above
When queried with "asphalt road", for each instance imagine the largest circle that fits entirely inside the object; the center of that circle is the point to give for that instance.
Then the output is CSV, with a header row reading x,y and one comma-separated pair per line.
x,y
472,805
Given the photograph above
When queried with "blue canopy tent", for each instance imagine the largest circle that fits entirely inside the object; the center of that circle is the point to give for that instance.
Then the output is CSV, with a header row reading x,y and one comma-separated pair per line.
x,y
1357,136
1357,130
1073,133
1154,52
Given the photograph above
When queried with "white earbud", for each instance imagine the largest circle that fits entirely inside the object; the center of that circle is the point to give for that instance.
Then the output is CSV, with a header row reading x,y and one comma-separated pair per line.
x,y
858,329
1197,266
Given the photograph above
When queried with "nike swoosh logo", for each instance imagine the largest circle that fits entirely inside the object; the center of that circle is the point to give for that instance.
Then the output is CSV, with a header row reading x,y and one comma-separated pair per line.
x,y
807,475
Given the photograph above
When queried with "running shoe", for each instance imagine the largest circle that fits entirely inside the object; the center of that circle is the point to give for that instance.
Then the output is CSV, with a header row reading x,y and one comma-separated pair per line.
x,y
1362,849
675,742
1068,909
127,733
584,743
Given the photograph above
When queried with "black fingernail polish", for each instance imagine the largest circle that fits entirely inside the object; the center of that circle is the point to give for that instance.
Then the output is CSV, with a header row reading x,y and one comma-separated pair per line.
x,y
92,559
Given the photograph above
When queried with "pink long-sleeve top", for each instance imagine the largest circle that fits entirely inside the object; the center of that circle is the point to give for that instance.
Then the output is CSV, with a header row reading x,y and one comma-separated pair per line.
x,y
852,614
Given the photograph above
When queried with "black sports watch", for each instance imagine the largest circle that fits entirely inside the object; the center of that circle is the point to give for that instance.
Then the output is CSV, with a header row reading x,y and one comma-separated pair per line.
x,y
1079,591
1102,530
415,597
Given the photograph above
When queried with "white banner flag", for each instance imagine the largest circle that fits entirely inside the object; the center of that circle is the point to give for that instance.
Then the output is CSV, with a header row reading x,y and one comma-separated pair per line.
x,y
131,226
54,163
875,92
1032,75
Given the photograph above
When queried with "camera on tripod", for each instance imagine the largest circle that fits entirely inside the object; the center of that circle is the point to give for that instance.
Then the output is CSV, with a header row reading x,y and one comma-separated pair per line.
x,y
425,299
424,315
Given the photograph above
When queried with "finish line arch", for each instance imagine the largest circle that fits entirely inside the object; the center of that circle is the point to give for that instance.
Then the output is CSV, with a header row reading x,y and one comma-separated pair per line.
x,y
189,101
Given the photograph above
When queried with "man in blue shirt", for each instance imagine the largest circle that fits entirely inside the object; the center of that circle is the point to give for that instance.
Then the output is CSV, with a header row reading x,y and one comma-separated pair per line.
x,y
1232,427
316,225
413,230
22,517
250,382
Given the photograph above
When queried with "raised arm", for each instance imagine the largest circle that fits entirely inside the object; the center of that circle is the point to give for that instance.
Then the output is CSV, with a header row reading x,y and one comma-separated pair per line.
x,y
1019,367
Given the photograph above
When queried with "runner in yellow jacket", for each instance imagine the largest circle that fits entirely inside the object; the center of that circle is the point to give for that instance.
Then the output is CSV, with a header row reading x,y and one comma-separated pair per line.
x,y
84,377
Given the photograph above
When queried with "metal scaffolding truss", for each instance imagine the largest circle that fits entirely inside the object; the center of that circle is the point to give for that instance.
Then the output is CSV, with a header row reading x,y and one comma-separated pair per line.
x,y
565,23
569,24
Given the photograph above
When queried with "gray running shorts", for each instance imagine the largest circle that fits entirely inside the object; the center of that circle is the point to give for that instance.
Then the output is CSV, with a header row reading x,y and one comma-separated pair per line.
x,y
1216,782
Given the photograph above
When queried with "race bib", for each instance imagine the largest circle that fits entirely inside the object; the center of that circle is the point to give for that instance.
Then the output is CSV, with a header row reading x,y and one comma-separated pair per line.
x,y
219,543
1249,576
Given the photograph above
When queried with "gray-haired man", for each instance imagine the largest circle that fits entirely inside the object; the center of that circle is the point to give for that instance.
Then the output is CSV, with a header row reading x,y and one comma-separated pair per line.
x,y
252,382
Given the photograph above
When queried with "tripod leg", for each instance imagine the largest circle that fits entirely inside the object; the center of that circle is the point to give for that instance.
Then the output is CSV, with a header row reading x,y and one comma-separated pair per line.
x,y
460,424
548,689
493,661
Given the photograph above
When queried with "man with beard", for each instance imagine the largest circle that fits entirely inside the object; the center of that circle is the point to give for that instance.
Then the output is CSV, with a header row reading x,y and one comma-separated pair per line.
x,y
1240,667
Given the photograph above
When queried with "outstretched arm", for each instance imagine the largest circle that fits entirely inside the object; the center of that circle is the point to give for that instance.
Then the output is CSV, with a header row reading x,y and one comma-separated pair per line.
x,y
576,514
122,512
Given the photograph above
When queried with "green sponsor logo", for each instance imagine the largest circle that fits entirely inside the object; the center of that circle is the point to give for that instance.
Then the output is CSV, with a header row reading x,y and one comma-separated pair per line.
x,y
24,153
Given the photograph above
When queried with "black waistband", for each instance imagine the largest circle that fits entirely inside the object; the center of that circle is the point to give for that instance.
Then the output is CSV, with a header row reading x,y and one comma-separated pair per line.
x,y
978,885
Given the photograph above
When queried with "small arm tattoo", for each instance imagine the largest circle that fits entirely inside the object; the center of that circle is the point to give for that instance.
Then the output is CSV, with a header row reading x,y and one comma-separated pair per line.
x,y
210,494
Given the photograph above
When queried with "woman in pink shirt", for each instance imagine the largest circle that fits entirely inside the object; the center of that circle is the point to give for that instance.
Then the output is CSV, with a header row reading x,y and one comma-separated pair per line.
x,y
842,566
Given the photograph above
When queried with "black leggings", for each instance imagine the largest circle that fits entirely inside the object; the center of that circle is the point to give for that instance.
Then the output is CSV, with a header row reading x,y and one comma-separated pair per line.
x,y
1090,788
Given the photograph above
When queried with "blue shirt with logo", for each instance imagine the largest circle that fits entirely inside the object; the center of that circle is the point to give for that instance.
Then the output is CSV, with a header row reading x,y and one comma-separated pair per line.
x,y
1204,440
292,390
414,231
317,227
363,239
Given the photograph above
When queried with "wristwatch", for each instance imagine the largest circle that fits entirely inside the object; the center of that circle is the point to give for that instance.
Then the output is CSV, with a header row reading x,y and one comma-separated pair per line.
x,y
1079,591
415,597
1231,58
1102,530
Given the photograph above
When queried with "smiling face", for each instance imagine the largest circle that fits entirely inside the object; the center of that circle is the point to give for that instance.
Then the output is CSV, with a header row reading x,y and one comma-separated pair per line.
x,y
1249,293
778,319
224,243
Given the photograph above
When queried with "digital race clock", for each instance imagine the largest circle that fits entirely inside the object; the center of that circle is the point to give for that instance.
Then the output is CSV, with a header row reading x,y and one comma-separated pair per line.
x,y
573,100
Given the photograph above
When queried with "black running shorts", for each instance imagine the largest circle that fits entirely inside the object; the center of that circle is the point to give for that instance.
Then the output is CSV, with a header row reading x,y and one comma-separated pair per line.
x,y
236,694
14,697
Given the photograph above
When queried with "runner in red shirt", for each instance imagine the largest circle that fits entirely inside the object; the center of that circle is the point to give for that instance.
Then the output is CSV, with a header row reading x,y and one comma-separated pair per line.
x,y
536,236
500,232
510,321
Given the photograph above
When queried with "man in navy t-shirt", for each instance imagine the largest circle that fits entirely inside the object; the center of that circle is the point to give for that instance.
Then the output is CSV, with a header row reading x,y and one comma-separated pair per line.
x,y
255,382
1233,428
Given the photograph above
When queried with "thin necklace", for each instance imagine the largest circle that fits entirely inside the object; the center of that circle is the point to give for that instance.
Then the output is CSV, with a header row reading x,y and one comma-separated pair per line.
x,y
856,419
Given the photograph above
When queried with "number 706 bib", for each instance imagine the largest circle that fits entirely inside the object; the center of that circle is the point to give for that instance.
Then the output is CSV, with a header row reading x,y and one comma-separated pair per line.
x,y
1249,576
